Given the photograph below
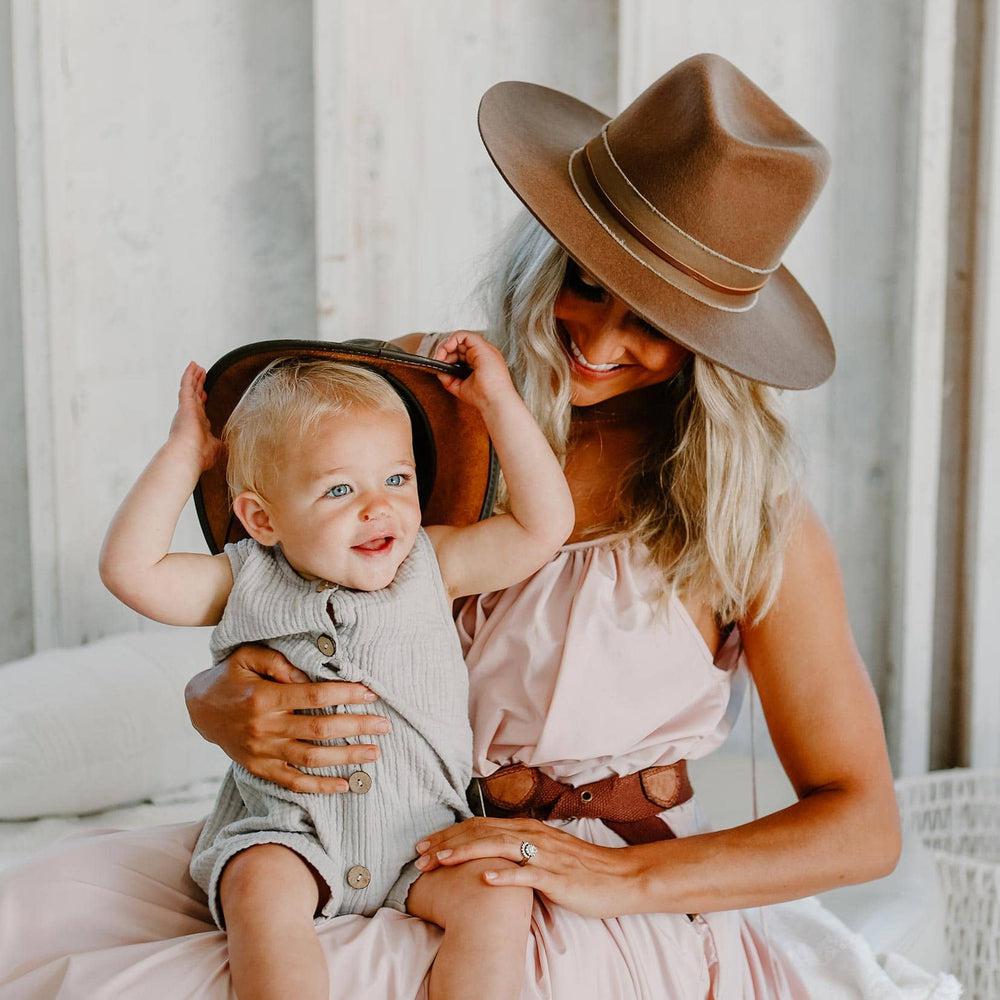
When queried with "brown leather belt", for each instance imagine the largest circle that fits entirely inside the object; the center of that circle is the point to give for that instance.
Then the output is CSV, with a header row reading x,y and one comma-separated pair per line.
x,y
627,804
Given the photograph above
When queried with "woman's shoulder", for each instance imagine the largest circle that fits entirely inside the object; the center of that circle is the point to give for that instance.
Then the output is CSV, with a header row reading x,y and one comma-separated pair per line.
x,y
411,342
421,343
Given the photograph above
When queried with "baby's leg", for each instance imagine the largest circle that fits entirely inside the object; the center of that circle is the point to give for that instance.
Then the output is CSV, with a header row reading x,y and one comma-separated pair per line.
x,y
269,896
485,931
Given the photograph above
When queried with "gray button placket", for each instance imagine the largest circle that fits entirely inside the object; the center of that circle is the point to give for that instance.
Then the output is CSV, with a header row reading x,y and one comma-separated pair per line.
x,y
327,643
359,780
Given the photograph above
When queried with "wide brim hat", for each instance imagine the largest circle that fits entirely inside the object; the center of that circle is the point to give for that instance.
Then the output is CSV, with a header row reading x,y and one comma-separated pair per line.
x,y
456,467
682,205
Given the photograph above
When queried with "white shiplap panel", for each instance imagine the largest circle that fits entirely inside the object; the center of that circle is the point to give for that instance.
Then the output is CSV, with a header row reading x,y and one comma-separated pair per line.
x,y
408,198
917,385
983,519
16,626
32,71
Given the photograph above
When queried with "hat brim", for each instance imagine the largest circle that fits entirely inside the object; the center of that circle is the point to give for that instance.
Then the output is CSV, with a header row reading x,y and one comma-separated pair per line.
x,y
456,466
530,132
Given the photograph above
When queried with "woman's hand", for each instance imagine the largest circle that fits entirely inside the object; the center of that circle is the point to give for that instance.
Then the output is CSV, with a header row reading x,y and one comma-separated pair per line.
x,y
489,384
589,879
239,706
190,430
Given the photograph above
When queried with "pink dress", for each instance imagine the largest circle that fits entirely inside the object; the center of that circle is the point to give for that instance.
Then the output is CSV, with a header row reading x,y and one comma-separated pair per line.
x,y
570,671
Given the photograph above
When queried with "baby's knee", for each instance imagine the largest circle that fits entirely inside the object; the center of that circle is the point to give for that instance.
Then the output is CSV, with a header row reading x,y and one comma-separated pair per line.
x,y
450,895
251,877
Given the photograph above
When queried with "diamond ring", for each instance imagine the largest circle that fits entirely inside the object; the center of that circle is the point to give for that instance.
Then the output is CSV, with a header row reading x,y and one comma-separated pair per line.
x,y
528,851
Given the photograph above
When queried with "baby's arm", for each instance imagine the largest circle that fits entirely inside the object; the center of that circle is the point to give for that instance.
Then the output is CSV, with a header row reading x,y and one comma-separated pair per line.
x,y
180,588
507,548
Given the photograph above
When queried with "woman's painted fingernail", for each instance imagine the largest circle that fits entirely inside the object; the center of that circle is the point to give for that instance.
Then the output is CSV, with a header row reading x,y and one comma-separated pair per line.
x,y
370,696
422,862
422,846
490,875
441,855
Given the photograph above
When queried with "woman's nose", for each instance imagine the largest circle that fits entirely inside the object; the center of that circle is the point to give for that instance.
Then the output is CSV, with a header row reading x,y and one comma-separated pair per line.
x,y
606,335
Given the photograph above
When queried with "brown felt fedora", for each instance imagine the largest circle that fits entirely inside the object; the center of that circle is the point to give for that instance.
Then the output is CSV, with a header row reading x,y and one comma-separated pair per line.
x,y
456,467
682,206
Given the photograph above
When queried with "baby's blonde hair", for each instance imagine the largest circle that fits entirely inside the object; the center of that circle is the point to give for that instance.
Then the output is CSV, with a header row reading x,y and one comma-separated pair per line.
x,y
283,405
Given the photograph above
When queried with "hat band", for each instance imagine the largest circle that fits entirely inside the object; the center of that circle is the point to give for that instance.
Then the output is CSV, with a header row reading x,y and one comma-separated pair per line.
x,y
658,234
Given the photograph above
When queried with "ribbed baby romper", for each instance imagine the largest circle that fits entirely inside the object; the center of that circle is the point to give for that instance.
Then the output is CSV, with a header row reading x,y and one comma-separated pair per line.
x,y
400,641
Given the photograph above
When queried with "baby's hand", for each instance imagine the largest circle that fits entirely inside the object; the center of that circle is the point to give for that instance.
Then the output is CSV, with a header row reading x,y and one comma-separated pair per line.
x,y
190,429
489,382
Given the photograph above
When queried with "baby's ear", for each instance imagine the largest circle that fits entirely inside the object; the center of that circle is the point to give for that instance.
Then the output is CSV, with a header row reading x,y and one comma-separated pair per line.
x,y
252,511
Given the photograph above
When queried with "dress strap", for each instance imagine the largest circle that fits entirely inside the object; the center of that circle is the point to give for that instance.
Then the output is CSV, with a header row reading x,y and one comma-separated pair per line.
x,y
428,341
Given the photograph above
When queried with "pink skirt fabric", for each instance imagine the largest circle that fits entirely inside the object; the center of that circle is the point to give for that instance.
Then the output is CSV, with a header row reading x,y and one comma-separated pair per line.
x,y
114,914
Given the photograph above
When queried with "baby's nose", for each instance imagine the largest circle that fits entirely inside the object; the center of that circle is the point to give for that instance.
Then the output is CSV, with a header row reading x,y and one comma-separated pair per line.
x,y
375,509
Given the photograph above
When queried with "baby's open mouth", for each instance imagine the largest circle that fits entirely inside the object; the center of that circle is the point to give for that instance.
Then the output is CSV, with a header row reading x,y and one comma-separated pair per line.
x,y
375,546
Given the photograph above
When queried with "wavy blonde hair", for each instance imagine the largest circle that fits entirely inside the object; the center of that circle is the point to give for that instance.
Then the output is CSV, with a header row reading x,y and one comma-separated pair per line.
x,y
716,496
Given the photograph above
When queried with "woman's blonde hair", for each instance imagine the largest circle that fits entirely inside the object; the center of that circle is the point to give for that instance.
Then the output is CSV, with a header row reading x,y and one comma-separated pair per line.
x,y
716,496
281,408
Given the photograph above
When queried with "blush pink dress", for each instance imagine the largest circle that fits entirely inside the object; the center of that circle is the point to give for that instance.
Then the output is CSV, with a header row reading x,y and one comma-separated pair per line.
x,y
570,671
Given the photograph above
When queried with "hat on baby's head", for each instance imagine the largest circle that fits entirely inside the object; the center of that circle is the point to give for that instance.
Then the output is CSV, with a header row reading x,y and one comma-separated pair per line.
x,y
456,467
682,206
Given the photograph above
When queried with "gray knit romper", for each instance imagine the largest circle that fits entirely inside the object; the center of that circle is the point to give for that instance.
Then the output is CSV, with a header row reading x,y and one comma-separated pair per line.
x,y
399,641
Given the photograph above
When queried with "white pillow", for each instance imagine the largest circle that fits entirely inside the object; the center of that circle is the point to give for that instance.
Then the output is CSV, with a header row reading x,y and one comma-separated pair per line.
x,y
103,724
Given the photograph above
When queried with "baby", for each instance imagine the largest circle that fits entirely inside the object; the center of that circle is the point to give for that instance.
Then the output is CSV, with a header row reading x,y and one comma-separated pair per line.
x,y
340,577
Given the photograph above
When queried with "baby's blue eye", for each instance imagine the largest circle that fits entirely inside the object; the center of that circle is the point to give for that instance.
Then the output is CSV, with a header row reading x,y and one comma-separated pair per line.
x,y
340,490
396,479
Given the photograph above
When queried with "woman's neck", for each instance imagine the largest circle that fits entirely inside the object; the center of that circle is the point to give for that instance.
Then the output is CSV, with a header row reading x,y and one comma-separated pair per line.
x,y
641,407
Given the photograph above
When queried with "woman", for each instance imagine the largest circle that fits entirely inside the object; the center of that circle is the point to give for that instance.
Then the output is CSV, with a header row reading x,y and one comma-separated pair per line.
x,y
645,353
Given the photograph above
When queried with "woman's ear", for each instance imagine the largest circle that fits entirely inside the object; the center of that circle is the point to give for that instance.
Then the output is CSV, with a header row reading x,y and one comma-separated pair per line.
x,y
252,510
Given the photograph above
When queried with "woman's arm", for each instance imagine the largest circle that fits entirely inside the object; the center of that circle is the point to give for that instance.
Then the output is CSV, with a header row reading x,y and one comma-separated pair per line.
x,y
825,723
247,705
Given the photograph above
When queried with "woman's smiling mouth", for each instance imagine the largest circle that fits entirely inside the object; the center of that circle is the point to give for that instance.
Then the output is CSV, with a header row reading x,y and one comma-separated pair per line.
x,y
581,365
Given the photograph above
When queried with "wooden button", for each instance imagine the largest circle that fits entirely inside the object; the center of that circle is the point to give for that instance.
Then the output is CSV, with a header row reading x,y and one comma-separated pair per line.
x,y
322,585
326,645
359,877
360,782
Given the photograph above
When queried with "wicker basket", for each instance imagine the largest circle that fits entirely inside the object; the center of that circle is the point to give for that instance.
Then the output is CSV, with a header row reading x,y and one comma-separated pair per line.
x,y
957,815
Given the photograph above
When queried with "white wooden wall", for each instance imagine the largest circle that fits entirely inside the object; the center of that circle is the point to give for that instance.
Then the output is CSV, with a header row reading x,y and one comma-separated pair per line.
x,y
16,629
202,174
407,197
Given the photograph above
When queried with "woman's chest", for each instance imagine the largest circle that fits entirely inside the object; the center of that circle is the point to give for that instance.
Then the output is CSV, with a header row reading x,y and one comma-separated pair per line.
x,y
579,665
599,462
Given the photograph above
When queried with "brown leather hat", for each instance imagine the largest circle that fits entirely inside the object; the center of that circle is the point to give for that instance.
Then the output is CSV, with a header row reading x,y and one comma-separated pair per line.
x,y
456,466
682,206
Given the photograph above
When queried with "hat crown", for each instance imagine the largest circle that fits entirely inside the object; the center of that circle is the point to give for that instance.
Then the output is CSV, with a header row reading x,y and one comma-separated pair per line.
x,y
714,155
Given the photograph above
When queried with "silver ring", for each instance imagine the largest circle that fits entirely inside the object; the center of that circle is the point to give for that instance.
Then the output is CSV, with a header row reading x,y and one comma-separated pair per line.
x,y
528,851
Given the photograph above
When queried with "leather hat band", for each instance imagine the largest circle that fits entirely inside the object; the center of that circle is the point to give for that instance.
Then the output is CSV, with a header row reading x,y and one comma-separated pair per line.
x,y
655,231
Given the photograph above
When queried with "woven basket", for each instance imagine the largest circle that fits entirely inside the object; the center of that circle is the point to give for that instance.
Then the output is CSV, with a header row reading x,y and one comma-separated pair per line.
x,y
957,815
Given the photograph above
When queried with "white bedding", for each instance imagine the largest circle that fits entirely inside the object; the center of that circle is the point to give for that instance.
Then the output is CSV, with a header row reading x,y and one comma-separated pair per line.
x,y
21,838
